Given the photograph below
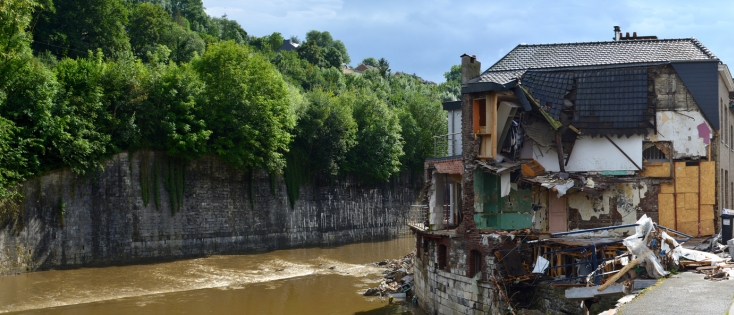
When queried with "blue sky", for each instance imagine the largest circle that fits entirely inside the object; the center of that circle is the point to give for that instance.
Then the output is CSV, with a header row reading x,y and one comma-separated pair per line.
x,y
427,37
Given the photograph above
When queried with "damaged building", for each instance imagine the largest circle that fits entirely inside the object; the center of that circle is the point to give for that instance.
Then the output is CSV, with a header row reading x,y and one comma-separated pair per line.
x,y
555,138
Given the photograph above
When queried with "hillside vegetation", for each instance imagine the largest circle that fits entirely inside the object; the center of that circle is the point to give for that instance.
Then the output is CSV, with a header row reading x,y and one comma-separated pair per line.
x,y
81,80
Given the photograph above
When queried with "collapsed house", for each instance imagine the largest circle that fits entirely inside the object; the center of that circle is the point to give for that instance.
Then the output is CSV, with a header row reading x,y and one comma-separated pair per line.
x,y
556,138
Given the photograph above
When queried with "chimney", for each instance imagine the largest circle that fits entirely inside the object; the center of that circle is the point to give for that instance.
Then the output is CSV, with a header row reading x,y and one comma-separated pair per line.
x,y
617,33
470,68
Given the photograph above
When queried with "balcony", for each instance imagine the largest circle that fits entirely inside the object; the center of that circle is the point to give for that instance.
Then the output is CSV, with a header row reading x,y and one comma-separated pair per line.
x,y
447,145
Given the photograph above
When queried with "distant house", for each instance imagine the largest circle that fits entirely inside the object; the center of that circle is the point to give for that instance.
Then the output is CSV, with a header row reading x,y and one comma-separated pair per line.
x,y
399,73
363,67
288,45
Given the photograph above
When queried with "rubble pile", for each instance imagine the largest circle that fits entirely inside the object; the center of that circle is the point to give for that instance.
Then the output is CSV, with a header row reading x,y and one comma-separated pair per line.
x,y
397,278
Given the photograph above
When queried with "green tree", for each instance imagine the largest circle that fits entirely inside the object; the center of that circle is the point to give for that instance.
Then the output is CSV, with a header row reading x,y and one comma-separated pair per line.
x,y
451,89
383,67
13,161
275,40
247,107
173,121
421,118
78,111
224,29
192,11
312,53
376,156
325,131
125,85
325,41
370,61
74,27
148,24
333,58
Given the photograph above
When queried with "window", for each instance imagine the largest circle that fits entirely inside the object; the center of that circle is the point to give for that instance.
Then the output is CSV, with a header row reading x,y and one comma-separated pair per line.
x,y
651,151
480,115
475,263
722,111
442,257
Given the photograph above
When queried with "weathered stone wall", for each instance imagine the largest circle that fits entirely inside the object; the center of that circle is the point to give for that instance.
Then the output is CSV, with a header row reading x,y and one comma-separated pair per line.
x,y
449,290
105,220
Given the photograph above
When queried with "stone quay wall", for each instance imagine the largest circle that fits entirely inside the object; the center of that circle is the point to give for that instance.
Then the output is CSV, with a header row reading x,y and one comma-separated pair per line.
x,y
449,291
67,220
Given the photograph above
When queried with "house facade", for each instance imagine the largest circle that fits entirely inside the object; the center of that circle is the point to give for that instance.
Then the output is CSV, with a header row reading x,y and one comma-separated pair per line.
x,y
560,137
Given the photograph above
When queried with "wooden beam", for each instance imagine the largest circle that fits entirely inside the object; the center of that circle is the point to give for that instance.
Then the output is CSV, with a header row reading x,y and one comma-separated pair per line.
x,y
625,154
559,148
492,122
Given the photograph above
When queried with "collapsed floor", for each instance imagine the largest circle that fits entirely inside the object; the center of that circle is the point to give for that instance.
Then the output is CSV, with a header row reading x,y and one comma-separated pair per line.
x,y
589,270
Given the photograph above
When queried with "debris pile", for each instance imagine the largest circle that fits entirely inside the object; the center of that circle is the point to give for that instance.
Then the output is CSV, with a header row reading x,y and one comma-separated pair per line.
x,y
397,278
722,271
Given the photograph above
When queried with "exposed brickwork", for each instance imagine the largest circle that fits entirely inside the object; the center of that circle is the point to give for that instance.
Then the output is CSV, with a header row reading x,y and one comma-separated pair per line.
x,y
452,166
470,149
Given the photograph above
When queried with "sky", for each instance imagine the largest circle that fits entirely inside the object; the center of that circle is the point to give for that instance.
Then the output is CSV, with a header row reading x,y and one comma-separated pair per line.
x,y
427,37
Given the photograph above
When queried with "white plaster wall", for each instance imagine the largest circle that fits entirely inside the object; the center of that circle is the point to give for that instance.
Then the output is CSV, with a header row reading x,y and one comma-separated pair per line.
x,y
454,120
595,155
681,128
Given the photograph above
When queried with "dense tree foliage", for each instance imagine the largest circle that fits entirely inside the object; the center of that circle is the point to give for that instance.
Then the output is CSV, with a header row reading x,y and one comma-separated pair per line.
x,y
248,110
95,77
72,27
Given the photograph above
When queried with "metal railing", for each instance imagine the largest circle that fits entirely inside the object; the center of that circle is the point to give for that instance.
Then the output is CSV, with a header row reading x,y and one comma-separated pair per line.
x,y
418,217
446,145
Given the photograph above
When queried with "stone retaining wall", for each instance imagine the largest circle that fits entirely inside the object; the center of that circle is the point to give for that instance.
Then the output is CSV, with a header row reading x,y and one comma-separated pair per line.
x,y
101,219
449,291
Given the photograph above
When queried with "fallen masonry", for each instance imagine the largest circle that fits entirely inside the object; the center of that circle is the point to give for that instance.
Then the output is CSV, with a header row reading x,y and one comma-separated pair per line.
x,y
397,278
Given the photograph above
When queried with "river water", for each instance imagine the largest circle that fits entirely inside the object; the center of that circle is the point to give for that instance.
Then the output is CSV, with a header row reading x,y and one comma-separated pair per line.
x,y
294,281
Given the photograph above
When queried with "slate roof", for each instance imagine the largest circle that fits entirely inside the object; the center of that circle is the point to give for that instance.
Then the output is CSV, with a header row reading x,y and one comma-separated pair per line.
x,y
548,56
603,101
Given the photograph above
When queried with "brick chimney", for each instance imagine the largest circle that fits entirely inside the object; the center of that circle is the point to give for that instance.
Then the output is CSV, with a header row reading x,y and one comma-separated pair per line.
x,y
470,68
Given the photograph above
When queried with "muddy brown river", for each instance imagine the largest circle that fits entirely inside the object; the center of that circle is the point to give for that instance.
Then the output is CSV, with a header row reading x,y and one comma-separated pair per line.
x,y
295,281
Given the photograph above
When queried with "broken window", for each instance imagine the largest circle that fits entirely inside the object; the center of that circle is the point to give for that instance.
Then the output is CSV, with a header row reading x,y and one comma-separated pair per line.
x,y
480,115
475,262
442,256
656,151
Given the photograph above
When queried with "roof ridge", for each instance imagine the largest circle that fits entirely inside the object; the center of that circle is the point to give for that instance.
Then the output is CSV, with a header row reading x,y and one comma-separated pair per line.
x,y
693,39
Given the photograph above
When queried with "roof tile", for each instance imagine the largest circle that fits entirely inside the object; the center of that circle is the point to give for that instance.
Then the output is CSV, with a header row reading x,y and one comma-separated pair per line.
x,y
548,56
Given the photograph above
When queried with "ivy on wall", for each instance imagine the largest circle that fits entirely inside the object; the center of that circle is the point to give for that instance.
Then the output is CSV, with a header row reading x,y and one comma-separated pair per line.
x,y
173,171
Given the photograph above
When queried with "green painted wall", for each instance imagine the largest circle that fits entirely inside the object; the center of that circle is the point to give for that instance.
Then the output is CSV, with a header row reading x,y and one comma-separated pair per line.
x,y
502,213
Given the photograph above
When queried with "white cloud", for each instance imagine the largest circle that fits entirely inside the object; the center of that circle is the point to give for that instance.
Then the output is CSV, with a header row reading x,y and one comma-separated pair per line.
x,y
427,37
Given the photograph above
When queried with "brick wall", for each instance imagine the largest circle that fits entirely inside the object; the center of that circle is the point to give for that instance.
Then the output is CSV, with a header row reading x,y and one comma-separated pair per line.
x,y
449,166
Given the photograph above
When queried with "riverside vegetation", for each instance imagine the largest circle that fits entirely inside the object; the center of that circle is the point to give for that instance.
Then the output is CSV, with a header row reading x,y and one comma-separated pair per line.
x,y
81,80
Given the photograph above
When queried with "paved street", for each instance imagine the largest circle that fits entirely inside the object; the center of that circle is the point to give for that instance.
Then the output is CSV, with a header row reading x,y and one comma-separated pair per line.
x,y
686,293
